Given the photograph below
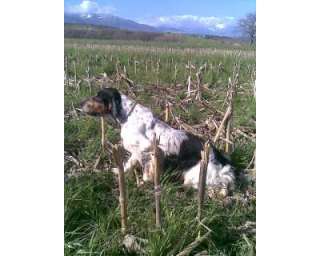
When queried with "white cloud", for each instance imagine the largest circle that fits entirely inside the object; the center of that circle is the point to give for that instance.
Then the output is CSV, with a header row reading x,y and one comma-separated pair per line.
x,y
220,25
90,7
180,21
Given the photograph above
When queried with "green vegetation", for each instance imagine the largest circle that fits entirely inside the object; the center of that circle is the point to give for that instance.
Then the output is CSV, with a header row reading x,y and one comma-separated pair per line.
x,y
92,214
80,34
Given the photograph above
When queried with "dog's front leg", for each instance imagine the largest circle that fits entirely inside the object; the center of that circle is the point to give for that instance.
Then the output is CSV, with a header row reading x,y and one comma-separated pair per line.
x,y
131,163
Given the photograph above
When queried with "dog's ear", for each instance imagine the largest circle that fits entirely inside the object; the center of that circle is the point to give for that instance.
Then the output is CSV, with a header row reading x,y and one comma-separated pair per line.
x,y
112,100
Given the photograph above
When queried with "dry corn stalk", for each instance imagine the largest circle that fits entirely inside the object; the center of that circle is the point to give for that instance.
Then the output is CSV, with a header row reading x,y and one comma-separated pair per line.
x,y
156,165
230,97
102,133
117,152
129,81
175,73
67,68
189,87
193,245
124,70
88,78
228,114
135,66
225,118
199,80
75,75
203,176
228,128
158,72
167,112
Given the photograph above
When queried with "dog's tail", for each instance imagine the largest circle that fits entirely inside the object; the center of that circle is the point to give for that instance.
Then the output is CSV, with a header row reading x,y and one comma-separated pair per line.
x,y
220,173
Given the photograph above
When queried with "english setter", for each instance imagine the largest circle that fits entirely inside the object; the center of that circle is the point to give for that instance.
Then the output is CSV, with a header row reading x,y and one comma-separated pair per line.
x,y
138,128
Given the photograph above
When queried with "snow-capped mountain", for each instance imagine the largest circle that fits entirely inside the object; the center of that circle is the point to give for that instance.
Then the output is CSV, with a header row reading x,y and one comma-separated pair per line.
x,y
186,24
192,24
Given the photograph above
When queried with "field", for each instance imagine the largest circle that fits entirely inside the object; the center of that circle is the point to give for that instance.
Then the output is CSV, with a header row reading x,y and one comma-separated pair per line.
x,y
159,72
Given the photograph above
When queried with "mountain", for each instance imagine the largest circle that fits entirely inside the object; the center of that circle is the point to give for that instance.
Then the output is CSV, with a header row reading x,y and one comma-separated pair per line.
x,y
230,31
192,24
180,25
107,20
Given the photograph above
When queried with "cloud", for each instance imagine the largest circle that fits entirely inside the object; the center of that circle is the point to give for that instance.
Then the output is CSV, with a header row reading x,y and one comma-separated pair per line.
x,y
211,23
90,7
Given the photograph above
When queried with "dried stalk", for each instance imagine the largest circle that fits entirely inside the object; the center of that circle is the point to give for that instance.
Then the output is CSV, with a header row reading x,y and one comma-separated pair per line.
x,y
156,165
225,118
124,70
129,81
88,78
230,96
67,68
167,112
74,111
102,133
189,87
199,80
228,114
135,67
175,73
117,153
158,72
252,161
136,174
75,74
228,128
193,245
245,135
203,177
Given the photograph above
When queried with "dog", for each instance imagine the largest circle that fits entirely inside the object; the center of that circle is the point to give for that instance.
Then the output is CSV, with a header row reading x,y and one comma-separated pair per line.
x,y
138,128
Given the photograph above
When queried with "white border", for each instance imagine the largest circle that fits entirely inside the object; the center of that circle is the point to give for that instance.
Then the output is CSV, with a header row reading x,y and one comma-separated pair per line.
x,y
31,134
287,128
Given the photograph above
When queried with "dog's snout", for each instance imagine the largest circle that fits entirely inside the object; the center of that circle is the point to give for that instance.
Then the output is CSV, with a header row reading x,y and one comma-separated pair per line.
x,y
82,103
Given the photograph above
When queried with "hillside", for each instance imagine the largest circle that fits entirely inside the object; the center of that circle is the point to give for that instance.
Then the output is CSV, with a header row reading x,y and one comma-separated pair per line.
x,y
103,32
97,34
106,20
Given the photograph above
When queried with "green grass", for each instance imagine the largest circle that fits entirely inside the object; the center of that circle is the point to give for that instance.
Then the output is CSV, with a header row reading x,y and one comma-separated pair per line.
x,y
182,43
92,223
92,216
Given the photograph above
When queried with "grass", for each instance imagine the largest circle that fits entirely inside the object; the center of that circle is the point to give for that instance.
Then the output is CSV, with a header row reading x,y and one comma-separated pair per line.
x,y
92,223
92,214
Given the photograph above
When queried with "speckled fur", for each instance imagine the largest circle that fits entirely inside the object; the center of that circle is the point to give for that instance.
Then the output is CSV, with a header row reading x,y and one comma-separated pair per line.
x,y
138,128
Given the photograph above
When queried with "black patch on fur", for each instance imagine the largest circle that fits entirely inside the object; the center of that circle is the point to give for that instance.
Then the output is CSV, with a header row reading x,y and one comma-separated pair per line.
x,y
190,155
219,158
113,97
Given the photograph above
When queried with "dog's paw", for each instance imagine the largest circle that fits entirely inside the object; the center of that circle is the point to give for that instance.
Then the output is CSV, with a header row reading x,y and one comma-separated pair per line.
x,y
217,193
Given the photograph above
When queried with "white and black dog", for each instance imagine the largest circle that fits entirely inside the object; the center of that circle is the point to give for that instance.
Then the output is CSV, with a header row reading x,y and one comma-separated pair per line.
x,y
138,128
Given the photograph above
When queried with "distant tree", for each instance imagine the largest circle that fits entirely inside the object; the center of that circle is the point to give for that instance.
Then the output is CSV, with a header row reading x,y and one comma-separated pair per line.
x,y
247,25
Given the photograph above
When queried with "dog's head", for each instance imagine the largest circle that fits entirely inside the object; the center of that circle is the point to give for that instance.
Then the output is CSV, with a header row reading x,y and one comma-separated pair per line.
x,y
106,102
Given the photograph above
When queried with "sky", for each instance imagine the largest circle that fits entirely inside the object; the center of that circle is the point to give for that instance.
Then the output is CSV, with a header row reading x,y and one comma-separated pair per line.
x,y
217,13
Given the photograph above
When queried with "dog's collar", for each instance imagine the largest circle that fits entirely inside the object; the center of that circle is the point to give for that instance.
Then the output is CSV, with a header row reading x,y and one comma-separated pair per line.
x,y
132,108
125,117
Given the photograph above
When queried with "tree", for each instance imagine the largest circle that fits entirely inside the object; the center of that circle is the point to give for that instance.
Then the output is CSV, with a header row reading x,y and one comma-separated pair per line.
x,y
247,26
